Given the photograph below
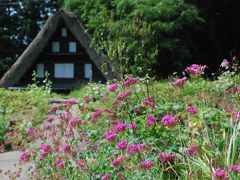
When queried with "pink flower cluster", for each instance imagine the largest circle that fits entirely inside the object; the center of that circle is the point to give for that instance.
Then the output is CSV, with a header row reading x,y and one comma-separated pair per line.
x,y
120,127
95,115
179,82
146,164
45,149
225,64
71,102
220,174
133,148
110,135
49,119
59,163
130,81
73,122
112,87
148,102
133,126
235,168
66,148
106,177
24,157
151,119
169,121
163,157
195,70
53,109
30,131
123,95
235,89
192,150
122,145
191,109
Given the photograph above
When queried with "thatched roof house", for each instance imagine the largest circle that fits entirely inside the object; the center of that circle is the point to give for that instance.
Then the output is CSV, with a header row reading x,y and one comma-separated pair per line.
x,y
62,48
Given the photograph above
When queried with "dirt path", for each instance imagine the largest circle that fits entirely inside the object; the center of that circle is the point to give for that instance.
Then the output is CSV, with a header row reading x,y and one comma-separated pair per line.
x,y
7,161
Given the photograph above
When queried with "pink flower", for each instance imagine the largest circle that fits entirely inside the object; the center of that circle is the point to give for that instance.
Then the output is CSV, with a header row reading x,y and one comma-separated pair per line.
x,y
59,163
130,81
87,99
195,70
133,126
234,89
112,87
106,177
110,135
66,148
146,164
235,168
151,119
116,162
97,114
192,150
191,109
169,121
122,95
140,147
179,82
120,127
30,131
71,101
73,122
46,148
50,119
220,174
236,115
149,103
65,116
24,157
166,157
132,148
123,145
225,64
53,109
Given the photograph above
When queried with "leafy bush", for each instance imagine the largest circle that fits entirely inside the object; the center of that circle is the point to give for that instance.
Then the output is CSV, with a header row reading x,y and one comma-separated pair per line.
x,y
20,110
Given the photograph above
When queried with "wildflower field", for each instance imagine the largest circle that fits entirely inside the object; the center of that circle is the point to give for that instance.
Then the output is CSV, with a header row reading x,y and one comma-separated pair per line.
x,y
184,128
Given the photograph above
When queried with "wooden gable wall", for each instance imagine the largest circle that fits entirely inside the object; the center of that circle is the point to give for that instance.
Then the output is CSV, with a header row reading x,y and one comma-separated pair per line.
x,y
78,58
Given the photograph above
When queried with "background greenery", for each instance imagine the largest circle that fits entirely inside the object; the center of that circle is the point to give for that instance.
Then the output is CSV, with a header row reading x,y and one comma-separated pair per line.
x,y
139,36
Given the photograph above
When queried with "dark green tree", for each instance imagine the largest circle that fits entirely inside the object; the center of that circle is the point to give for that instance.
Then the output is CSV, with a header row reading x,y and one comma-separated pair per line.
x,y
140,36
20,21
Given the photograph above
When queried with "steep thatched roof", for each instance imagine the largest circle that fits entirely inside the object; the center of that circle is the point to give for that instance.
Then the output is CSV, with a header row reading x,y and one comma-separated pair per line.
x,y
19,68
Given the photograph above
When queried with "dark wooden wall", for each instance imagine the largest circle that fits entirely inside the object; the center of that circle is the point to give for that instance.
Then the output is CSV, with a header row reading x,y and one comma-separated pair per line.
x,y
49,58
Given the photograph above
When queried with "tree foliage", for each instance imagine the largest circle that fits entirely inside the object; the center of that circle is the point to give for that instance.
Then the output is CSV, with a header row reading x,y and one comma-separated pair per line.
x,y
20,21
139,36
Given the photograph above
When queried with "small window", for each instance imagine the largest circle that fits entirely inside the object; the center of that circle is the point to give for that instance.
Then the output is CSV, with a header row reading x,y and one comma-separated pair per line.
x,y
55,46
72,47
88,71
64,70
40,70
64,32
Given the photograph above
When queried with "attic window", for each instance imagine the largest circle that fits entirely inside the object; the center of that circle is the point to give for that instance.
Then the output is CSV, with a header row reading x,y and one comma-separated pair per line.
x,y
88,71
64,32
40,70
72,47
56,46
